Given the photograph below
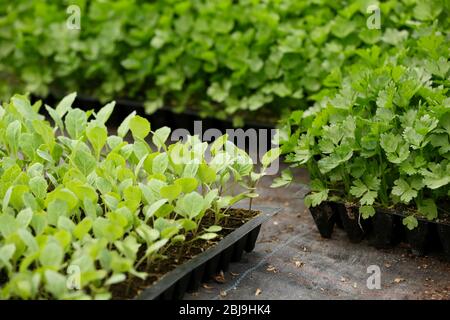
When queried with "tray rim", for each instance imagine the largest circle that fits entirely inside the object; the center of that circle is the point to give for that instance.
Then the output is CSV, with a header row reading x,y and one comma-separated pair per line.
x,y
171,278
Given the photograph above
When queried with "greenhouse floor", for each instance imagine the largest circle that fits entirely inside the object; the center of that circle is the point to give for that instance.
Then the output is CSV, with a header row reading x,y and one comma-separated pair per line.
x,y
292,261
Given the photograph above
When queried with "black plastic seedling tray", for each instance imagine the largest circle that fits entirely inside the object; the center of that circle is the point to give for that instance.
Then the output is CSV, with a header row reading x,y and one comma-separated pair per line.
x,y
190,275
165,116
384,230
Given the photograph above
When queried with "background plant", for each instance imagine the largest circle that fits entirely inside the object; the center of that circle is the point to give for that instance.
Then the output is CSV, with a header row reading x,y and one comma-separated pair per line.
x,y
383,139
220,57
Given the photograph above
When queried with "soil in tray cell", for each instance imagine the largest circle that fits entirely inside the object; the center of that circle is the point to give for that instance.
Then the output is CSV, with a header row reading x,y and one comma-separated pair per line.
x,y
355,226
177,255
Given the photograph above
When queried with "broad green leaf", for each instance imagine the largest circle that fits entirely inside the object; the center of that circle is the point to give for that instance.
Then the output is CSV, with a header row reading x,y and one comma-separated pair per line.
x,y
160,164
23,105
103,115
140,127
187,184
208,236
206,174
39,222
65,104
83,191
404,191
190,205
8,225
156,246
270,156
141,149
170,231
83,228
51,255
13,135
17,196
28,239
56,283
84,161
64,195
66,224
56,117
97,136
6,253
218,144
132,196
76,121
170,192
180,238
116,278
284,180
153,208
125,125
164,211
358,189
436,175
160,137
103,185
7,199
428,10
368,198
367,211
64,238
213,229
148,234
28,143
190,169
114,142
24,217
38,186
316,198
128,247
428,208
90,208
410,222
188,225
55,209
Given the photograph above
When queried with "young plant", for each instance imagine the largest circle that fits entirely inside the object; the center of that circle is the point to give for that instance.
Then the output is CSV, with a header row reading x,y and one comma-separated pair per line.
x,y
383,139
85,210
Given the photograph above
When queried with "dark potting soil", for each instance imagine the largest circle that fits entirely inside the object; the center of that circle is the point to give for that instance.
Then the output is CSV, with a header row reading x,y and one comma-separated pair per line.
x,y
405,210
355,226
177,255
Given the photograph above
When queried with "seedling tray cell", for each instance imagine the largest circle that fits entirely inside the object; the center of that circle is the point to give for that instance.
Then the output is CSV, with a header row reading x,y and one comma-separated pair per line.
x,y
190,275
383,230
